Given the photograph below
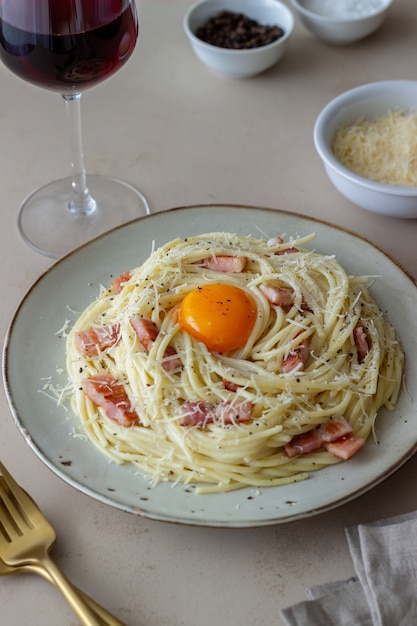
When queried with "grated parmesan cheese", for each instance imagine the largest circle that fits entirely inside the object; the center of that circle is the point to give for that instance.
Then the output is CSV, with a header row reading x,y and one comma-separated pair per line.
x,y
383,150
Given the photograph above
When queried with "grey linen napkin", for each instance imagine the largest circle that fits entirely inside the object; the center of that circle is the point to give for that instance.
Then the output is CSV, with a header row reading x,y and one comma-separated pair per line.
x,y
384,590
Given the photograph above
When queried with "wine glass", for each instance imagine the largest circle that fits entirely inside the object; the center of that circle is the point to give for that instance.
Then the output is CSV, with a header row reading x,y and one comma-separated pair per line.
x,y
67,46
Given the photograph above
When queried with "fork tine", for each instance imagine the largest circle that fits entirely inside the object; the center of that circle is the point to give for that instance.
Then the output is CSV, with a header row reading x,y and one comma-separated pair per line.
x,y
10,513
13,486
8,478
19,501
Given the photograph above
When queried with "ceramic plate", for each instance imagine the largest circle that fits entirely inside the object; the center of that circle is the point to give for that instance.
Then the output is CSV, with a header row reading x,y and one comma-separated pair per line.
x,y
35,354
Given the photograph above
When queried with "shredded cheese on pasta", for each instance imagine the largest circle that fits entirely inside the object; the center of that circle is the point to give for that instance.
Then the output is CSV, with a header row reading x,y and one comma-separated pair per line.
x,y
221,457
383,150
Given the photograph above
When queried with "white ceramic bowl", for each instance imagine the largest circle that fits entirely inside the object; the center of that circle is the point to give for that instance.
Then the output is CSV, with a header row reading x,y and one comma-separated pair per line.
x,y
368,101
242,63
340,26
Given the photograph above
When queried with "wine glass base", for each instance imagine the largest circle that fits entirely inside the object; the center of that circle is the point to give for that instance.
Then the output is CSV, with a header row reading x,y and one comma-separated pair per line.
x,y
47,225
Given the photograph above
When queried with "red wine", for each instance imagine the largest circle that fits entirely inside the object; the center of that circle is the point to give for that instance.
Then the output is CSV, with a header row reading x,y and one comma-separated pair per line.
x,y
72,56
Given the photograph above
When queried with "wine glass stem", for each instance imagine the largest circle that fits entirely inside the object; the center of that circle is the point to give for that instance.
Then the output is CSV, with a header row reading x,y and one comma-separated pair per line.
x,y
81,202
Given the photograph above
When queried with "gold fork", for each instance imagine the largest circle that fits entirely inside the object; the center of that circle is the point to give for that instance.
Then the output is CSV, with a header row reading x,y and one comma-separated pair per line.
x,y
25,539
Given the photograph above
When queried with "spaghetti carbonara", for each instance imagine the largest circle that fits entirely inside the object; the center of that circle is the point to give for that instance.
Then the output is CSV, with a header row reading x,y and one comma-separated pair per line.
x,y
230,361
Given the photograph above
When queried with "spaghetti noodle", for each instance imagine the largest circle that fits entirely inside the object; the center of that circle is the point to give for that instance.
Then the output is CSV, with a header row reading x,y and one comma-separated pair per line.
x,y
299,364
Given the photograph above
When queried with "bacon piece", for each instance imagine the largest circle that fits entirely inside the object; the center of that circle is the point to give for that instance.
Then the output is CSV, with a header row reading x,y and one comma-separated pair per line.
x,y
303,443
201,413
297,358
230,385
281,296
171,359
275,241
118,283
109,394
226,264
336,436
333,429
94,340
147,331
278,296
196,414
361,341
345,447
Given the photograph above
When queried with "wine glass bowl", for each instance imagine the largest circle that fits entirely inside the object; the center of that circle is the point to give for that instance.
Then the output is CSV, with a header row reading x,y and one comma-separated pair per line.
x,y
68,46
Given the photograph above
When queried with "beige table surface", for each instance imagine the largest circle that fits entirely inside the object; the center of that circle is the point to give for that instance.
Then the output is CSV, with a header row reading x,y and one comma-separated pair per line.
x,y
187,136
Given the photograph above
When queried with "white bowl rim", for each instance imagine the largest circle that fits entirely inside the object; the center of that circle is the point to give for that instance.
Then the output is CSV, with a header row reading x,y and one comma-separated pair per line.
x,y
327,19
233,51
324,151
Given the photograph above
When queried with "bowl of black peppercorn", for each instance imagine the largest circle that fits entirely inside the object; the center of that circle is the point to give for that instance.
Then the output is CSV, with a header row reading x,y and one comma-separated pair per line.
x,y
238,38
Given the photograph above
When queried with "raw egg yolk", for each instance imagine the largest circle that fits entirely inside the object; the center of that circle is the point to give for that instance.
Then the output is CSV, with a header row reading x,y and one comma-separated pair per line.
x,y
219,315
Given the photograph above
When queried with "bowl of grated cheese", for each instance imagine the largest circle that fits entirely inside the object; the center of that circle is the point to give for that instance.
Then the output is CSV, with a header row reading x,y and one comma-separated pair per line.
x,y
367,140
341,22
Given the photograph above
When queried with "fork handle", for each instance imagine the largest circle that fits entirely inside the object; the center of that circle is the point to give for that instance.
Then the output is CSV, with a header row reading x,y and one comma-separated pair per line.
x,y
84,612
107,618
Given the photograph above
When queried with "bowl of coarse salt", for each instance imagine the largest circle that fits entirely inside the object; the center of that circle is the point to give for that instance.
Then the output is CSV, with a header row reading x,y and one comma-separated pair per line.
x,y
367,140
341,22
